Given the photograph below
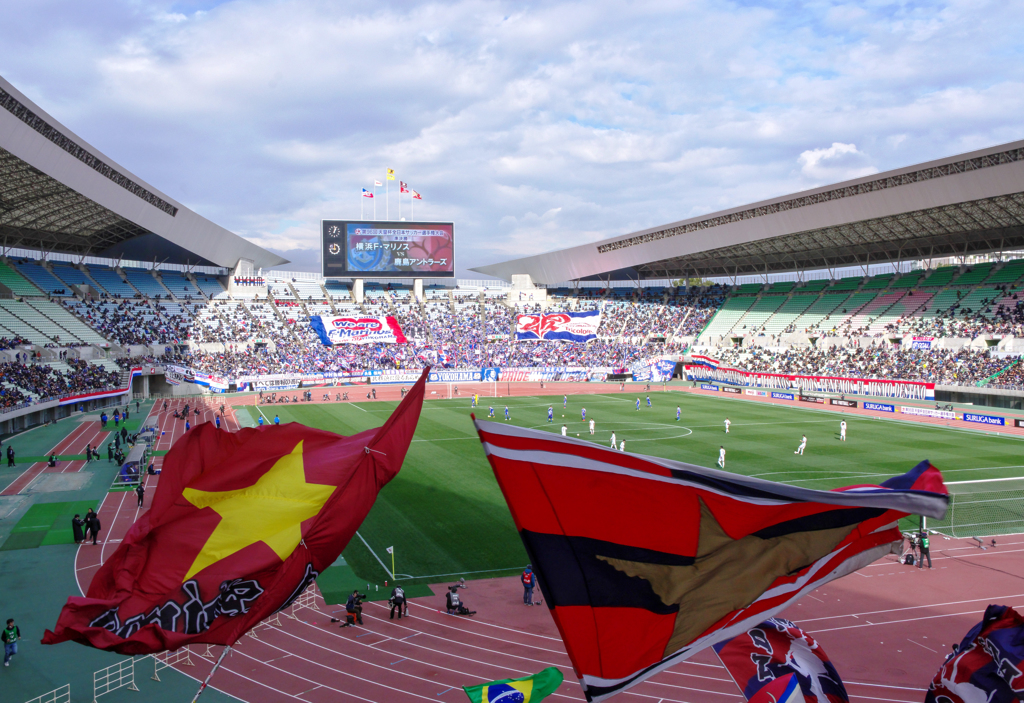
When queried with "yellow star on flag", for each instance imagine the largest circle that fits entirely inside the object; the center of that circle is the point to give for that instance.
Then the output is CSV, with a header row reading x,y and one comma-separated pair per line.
x,y
270,511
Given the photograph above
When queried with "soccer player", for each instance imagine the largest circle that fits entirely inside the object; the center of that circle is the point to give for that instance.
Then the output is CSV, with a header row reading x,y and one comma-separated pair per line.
x,y
648,401
473,403
565,401
551,414
591,427
727,423
721,456
842,431
564,430
803,443
490,411
622,446
507,416
613,440
638,405
679,411
277,420
583,414
261,421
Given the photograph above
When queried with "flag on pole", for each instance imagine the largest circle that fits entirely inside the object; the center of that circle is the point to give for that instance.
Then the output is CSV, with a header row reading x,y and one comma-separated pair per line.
x,y
391,550
241,524
774,650
391,174
416,196
403,187
695,557
529,689
377,183
987,664
367,194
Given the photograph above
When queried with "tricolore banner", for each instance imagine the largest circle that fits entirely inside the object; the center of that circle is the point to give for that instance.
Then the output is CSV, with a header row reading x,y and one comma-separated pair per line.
x,y
357,330
560,326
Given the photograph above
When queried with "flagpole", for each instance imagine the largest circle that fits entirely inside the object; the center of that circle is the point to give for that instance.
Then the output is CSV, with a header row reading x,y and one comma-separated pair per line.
x,y
375,200
210,675
399,202
362,200
412,204
387,198
392,563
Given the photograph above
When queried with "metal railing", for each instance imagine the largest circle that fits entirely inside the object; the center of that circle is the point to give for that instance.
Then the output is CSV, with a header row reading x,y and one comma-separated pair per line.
x,y
113,677
57,695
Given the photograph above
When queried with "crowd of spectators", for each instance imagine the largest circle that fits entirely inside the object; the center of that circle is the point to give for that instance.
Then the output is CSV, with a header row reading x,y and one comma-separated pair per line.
x,y
45,381
944,366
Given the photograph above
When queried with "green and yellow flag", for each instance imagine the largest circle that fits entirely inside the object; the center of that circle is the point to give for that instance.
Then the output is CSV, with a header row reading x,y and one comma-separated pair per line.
x,y
530,689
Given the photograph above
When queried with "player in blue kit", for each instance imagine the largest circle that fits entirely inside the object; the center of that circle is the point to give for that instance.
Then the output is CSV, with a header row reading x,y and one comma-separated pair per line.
x,y
583,414
490,411
638,405
648,401
565,401
551,414
507,416
678,412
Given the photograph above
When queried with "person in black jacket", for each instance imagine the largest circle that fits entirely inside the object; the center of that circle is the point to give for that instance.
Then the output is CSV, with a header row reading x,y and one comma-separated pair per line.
x,y
355,606
10,455
922,540
76,527
87,520
95,527
140,491
10,637
397,600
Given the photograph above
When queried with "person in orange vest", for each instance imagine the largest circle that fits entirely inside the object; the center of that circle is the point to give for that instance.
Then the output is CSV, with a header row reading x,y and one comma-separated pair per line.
x,y
529,580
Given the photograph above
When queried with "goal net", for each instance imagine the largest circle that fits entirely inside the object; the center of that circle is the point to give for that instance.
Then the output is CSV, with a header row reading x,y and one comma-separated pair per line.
x,y
983,508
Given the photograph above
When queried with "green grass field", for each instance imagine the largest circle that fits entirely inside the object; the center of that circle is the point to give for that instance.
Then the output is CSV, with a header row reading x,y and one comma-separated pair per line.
x,y
446,517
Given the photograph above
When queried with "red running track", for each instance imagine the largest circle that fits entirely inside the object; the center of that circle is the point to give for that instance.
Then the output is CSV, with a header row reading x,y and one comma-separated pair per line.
x,y
88,432
886,627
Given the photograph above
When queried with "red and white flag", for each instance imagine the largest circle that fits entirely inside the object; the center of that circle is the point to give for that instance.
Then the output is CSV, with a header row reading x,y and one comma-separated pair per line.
x,y
367,194
378,184
416,196
643,561
404,187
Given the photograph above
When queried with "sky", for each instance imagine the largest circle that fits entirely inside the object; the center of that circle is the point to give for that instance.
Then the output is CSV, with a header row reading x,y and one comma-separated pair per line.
x,y
531,126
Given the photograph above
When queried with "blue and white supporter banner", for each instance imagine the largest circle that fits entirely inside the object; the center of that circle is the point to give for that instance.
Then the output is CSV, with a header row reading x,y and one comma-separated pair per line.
x,y
357,330
559,326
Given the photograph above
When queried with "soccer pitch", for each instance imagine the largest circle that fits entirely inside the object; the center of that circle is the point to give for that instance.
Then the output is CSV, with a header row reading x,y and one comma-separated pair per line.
x,y
446,517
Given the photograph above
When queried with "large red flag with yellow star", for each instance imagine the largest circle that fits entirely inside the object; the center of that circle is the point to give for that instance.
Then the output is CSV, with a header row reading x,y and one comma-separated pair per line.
x,y
241,524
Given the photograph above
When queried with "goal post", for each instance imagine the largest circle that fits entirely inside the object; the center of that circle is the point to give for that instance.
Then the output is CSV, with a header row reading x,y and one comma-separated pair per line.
x,y
983,508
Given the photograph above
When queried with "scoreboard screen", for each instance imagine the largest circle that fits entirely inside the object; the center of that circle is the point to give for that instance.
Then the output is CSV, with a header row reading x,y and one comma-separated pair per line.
x,y
377,249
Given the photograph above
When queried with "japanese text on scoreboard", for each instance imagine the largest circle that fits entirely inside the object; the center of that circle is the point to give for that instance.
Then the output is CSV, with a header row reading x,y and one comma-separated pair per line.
x,y
395,249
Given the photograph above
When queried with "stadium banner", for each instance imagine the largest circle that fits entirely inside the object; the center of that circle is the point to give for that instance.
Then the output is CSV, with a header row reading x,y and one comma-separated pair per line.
x,y
842,402
705,368
782,396
98,395
464,376
811,399
985,419
559,326
750,391
658,372
928,412
357,330
545,373
879,406
922,342
708,387
730,389
1017,422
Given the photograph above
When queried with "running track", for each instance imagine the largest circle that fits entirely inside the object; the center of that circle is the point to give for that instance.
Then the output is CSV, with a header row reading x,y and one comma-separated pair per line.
x,y
88,432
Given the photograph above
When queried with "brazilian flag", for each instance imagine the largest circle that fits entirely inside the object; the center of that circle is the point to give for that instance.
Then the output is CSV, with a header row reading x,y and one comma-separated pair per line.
x,y
530,689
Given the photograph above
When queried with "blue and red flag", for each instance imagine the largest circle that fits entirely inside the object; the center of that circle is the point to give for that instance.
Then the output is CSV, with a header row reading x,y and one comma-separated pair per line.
x,y
762,657
987,665
645,561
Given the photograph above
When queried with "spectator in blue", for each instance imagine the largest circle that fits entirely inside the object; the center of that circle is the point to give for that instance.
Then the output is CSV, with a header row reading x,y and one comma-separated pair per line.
x,y
117,418
103,420
529,580
187,426
218,421
277,420
261,421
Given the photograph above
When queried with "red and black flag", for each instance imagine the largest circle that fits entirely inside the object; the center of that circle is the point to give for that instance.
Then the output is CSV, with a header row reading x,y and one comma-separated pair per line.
x,y
241,524
646,561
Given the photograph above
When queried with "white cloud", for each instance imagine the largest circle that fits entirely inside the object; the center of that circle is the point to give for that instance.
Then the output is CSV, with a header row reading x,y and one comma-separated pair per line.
x,y
531,126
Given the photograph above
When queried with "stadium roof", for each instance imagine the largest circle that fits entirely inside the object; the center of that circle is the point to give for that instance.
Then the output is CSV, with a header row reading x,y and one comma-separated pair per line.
x,y
967,204
58,193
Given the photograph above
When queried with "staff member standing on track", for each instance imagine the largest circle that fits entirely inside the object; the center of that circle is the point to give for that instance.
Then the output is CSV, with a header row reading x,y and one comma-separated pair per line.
x,y
529,580
140,491
398,601
925,552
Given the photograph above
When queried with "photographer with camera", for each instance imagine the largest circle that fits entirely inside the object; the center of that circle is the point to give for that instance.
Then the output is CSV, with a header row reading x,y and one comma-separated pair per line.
x,y
397,600
355,606
454,603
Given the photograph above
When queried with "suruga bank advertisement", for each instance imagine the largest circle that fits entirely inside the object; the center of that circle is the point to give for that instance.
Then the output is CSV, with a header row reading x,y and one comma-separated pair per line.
x,y
559,326
704,368
357,330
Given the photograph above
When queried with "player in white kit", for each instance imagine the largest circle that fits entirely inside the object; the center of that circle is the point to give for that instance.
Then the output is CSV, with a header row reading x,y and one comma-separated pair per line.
x,y
803,443
842,430
622,446
721,457
727,423
613,440
591,427
564,430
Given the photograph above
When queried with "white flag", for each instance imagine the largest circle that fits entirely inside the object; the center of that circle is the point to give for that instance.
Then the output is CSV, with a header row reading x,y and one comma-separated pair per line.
x,y
377,183
391,550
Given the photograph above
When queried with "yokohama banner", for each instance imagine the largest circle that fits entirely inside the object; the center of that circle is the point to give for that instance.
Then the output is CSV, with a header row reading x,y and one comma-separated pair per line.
x,y
559,326
357,330
704,368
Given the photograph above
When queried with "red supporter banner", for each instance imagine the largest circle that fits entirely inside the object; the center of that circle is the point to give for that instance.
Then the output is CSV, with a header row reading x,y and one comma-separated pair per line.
x,y
705,368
